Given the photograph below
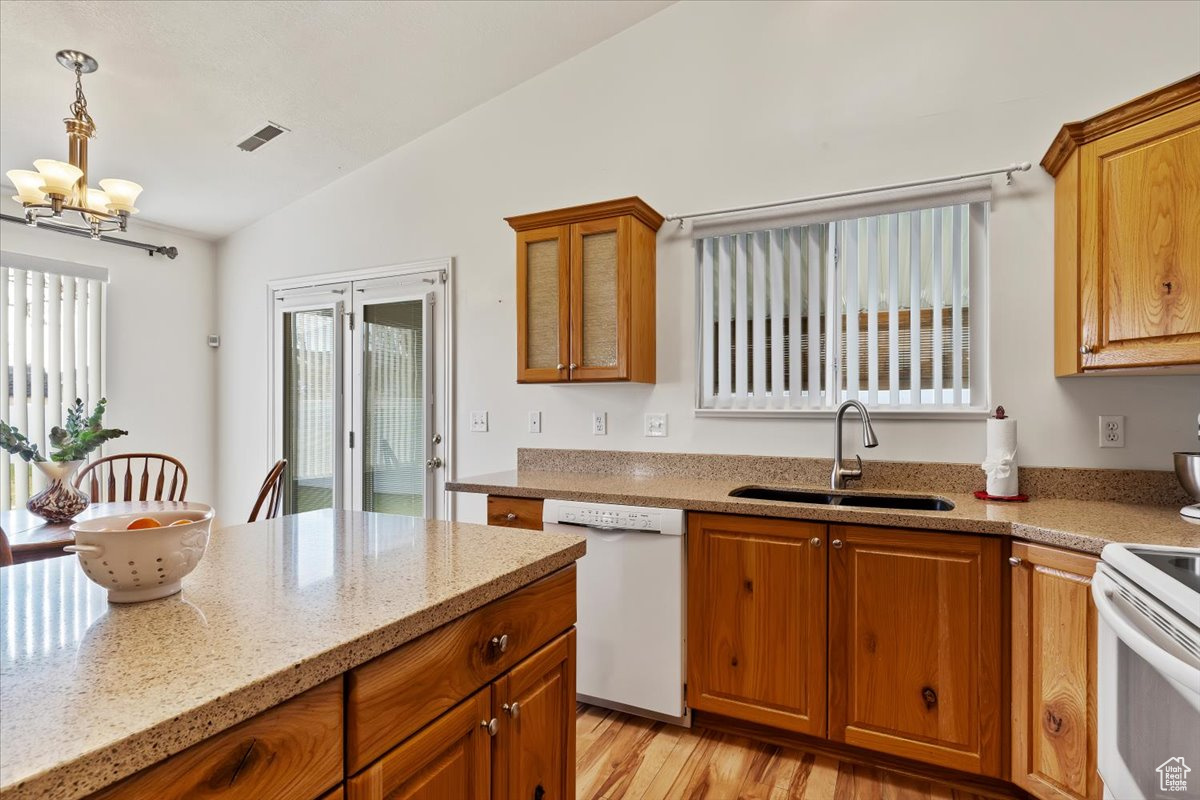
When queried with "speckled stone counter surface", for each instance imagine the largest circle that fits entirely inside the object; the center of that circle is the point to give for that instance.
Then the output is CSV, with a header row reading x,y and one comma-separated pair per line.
x,y
92,692
703,483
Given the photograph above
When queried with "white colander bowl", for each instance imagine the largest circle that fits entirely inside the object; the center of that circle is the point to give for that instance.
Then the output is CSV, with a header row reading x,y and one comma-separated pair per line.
x,y
143,564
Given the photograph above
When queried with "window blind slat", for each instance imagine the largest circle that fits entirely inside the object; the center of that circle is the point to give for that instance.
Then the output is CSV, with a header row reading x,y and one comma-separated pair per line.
x,y
741,319
833,326
706,321
81,348
894,309
724,257
850,273
37,371
976,266
94,333
938,244
18,412
873,311
760,323
914,308
956,321
68,342
54,406
813,267
777,297
795,313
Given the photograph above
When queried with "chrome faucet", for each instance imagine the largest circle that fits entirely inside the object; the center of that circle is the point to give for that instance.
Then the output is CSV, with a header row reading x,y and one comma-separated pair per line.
x,y
841,474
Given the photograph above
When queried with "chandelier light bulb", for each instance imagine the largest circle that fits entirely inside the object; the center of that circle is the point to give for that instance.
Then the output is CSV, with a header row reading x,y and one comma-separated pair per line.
x,y
97,200
28,185
58,177
122,194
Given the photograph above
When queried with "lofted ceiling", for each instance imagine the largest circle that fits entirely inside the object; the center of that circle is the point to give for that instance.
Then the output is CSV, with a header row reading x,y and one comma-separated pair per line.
x,y
181,83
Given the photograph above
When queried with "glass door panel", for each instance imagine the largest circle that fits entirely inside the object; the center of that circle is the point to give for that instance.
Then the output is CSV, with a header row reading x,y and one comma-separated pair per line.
x,y
394,364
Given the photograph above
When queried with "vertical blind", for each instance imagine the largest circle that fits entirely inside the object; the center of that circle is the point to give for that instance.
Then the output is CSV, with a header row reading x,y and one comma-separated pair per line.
x,y
51,351
873,308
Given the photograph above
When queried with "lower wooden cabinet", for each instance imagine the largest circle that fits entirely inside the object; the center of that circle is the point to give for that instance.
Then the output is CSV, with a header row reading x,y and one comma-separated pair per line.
x,y
756,620
513,739
1053,674
915,645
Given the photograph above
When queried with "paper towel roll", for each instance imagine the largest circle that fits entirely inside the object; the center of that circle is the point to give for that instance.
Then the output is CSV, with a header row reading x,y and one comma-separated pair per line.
x,y
1001,462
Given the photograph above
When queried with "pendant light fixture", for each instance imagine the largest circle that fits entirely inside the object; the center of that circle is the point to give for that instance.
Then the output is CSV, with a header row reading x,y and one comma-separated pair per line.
x,y
59,189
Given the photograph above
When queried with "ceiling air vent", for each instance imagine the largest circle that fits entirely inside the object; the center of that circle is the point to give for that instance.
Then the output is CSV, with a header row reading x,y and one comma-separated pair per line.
x,y
259,138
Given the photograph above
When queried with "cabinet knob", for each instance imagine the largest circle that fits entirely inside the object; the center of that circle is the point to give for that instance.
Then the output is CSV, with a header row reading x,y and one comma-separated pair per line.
x,y
1016,562
510,516
492,726
815,541
513,710
1085,349
837,543
562,366
571,366
500,643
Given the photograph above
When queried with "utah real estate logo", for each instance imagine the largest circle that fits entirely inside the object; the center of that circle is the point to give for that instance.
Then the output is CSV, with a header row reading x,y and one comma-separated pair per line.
x,y
1172,775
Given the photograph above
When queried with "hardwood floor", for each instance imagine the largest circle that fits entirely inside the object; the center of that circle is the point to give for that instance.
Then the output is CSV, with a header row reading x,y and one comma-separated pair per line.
x,y
627,758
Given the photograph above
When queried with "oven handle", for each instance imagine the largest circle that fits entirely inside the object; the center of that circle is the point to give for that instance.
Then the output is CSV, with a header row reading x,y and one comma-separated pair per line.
x,y
1169,665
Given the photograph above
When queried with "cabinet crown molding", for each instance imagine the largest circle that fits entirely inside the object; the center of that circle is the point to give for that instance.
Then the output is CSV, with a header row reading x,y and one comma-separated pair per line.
x,y
1073,135
633,206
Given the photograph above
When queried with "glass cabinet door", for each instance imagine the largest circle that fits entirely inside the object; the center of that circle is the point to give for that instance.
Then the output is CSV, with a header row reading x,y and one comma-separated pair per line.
x,y
599,307
542,308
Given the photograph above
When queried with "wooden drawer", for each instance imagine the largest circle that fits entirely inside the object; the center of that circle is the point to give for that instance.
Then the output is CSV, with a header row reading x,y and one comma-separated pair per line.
x,y
291,751
515,512
392,697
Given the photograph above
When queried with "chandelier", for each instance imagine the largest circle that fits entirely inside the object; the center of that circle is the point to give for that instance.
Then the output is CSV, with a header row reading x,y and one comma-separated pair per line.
x,y
59,188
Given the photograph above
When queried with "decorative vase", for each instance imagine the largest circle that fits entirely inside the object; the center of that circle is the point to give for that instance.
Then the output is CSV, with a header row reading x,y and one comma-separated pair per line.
x,y
60,501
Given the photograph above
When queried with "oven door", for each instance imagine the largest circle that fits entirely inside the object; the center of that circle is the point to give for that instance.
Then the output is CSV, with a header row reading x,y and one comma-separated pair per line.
x,y
1149,694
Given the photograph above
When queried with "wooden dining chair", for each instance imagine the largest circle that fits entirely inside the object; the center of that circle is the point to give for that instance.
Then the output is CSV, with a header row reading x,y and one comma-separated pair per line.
x,y
6,556
270,496
133,476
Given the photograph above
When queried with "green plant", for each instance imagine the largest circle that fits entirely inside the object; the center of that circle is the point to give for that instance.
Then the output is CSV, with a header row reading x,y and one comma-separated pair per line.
x,y
72,442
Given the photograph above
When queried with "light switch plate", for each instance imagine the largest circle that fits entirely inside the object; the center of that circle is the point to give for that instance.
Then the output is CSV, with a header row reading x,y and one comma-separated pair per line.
x,y
656,425
1112,430
600,423
479,422
535,422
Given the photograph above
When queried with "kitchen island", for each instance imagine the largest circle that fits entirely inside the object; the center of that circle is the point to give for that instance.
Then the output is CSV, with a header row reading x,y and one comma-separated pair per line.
x,y
92,693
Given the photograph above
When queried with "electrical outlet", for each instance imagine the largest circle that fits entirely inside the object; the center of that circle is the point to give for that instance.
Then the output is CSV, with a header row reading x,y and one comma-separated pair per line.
x,y
600,423
1112,430
479,421
656,425
535,422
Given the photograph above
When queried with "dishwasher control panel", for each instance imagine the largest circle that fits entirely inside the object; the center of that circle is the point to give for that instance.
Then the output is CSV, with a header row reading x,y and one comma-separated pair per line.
x,y
629,518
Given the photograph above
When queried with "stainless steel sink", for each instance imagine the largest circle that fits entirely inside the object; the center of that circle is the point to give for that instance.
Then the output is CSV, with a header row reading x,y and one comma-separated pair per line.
x,y
904,502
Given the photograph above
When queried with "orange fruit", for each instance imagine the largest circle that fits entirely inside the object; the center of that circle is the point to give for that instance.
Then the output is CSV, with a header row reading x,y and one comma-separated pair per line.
x,y
181,522
143,522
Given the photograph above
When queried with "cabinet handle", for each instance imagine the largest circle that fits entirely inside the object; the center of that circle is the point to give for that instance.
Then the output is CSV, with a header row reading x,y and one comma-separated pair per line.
x,y
815,541
1016,562
513,710
572,366
510,516
1085,349
562,366
500,643
492,726
837,543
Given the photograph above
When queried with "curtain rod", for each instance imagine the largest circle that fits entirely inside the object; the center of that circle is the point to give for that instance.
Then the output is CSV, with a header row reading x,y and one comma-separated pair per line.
x,y
151,249
1007,171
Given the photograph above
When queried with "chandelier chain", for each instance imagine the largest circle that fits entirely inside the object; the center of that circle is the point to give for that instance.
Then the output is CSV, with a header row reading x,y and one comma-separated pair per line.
x,y
79,107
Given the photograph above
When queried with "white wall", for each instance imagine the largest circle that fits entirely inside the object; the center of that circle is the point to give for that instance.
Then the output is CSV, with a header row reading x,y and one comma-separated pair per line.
x,y
160,372
714,104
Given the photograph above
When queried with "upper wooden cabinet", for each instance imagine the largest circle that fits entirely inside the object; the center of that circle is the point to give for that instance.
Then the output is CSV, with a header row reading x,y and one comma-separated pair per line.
x,y
1053,674
585,293
1127,236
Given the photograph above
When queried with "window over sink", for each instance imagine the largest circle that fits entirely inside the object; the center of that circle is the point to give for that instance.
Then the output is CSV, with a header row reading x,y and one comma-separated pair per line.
x,y
880,300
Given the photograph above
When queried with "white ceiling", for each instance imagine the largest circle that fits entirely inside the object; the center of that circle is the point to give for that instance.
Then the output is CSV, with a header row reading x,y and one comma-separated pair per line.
x,y
181,83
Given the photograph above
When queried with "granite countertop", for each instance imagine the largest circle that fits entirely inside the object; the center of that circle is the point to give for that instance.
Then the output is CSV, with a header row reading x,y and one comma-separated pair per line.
x,y
92,692
1083,525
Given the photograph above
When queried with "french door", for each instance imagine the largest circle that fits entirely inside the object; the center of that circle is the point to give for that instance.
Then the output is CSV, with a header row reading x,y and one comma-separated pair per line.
x,y
360,376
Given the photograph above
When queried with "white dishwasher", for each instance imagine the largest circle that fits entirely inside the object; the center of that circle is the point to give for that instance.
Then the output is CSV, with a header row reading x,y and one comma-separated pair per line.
x,y
630,629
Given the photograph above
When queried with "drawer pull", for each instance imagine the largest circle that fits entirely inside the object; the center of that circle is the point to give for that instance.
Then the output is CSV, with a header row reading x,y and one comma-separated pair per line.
x,y
492,726
513,710
500,643
510,516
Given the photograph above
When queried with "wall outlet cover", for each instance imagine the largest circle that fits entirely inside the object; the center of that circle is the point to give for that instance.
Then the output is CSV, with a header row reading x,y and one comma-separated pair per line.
x,y
656,425
479,421
599,423
535,422
1112,430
